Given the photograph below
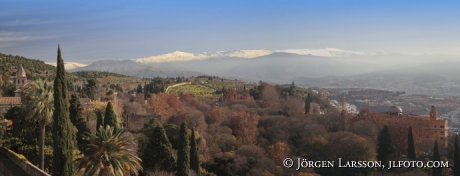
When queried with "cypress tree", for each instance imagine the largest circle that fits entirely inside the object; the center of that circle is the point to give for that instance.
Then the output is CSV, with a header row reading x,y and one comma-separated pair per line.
x,y
99,120
436,157
411,145
385,145
63,130
183,158
194,159
77,119
110,118
307,103
158,152
456,158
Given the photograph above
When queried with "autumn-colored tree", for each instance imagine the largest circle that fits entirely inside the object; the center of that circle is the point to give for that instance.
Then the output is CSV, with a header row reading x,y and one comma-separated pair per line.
x,y
348,147
244,126
158,104
278,151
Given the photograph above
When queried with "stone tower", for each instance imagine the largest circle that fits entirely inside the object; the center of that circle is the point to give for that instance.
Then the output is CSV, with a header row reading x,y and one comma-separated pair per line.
x,y
21,78
433,113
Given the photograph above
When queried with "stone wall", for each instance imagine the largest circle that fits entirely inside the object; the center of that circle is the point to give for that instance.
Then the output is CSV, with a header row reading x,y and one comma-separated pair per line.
x,y
27,166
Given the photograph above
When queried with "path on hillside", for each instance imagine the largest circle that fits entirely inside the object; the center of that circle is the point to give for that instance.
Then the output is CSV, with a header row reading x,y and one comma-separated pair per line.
x,y
175,85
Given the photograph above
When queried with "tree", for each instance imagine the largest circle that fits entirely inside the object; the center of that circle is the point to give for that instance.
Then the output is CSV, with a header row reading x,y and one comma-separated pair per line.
x,y
456,158
110,118
183,158
39,107
99,120
292,89
158,151
411,145
308,100
385,145
108,154
194,159
436,157
77,119
63,130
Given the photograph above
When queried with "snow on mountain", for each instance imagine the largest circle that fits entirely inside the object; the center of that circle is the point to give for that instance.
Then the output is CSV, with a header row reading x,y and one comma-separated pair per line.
x,y
185,56
326,52
69,65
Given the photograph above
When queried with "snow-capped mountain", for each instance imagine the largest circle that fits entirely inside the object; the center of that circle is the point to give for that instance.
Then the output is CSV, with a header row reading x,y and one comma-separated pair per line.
x,y
69,65
186,56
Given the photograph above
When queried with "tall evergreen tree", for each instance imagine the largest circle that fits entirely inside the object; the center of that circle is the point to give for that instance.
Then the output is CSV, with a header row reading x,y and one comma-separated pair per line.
x,y
456,158
385,145
411,145
436,157
183,158
110,118
99,120
292,89
157,153
77,119
194,159
63,130
308,100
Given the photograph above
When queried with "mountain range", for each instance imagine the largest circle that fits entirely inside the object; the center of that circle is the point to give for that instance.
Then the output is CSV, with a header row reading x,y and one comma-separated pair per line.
x,y
309,67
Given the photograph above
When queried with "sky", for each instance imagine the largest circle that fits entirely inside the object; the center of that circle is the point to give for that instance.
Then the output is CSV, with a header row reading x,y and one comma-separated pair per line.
x,y
88,31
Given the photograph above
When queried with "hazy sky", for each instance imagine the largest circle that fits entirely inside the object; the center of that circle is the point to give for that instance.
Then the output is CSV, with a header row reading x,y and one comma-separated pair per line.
x,y
96,30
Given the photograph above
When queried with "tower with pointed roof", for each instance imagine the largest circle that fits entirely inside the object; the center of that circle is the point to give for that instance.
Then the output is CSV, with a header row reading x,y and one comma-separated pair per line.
x,y
21,78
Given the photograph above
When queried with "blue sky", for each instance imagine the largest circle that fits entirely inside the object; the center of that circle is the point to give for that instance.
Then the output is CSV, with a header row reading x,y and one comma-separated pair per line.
x,y
95,30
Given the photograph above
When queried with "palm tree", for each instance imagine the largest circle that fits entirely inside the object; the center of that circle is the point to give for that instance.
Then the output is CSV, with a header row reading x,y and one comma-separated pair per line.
x,y
39,105
107,154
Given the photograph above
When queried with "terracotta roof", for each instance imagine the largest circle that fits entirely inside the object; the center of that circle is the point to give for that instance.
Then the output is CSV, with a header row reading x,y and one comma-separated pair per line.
x,y
10,99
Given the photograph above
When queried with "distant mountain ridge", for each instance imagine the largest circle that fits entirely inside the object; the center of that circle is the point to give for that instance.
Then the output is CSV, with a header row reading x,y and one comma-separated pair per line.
x,y
249,54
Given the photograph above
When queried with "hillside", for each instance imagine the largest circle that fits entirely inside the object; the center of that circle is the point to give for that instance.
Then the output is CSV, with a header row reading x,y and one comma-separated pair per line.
x,y
96,74
35,69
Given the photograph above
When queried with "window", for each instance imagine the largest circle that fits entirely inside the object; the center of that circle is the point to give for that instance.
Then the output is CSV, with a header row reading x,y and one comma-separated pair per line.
x,y
441,127
442,138
22,81
435,126
442,132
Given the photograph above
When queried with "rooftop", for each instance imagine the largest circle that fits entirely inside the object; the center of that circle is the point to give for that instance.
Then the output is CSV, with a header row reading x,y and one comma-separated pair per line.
x,y
10,99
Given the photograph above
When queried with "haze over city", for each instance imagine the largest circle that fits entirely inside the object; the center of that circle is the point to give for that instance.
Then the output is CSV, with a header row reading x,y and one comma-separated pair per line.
x,y
101,30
